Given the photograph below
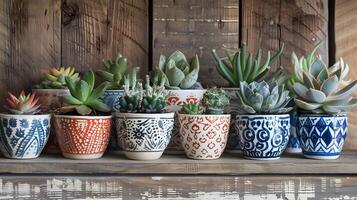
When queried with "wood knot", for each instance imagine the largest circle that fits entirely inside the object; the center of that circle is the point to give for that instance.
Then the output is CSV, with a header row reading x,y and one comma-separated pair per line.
x,y
69,12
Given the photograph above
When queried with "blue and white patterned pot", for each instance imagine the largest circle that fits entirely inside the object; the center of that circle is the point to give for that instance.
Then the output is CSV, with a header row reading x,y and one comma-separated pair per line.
x,y
294,143
263,137
144,136
322,136
23,136
111,98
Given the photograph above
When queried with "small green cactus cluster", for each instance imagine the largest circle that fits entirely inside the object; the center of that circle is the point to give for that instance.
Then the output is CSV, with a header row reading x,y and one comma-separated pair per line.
x,y
135,99
23,104
56,78
192,109
176,72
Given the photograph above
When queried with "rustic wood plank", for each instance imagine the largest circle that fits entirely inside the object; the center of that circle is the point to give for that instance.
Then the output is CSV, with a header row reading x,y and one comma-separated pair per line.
x,y
346,46
229,164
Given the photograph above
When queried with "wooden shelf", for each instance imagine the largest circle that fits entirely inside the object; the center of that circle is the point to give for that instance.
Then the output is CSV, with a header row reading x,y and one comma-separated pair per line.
x,y
228,164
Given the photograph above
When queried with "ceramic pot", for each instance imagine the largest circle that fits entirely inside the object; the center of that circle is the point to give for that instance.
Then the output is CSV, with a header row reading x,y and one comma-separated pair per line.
x,y
233,144
263,137
82,137
23,136
204,136
144,136
294,143
322,136
111,98
51,100
176,100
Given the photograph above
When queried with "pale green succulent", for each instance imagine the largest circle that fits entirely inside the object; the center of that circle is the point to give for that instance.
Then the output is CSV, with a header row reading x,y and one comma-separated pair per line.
x,y
176,72
261,98
321,89
215,100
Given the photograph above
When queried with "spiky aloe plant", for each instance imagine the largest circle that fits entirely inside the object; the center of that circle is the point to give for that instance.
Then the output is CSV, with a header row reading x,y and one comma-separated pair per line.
x,y
84,98
321,89
176,72
56,78
261,98
191,109
215,100
23,104
244,66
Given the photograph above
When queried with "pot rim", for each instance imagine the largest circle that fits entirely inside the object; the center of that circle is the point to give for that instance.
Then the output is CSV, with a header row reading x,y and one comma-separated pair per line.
x,y
24,116
51,89
119,90
147,115
342,114
186,90
264,115
83,117
209,115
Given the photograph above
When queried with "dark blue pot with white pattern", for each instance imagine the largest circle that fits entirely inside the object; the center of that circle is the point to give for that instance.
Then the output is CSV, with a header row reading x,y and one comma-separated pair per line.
x,y
322,136
111,98
263,137
23,136
144,136
294,143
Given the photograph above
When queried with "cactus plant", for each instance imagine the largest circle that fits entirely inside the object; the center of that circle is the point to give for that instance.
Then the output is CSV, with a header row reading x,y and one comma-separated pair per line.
x,y
321,89
176,72
56,78
84,98
215,100
261,98
23,104
243,66
191,109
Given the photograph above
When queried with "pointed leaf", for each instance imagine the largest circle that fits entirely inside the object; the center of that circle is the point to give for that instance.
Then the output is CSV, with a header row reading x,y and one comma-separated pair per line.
x,y
174,74
90,79
70,100
306,106
83,110
105,75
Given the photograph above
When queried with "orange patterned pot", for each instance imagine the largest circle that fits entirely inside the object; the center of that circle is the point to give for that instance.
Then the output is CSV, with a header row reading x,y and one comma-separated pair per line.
x,y
83,137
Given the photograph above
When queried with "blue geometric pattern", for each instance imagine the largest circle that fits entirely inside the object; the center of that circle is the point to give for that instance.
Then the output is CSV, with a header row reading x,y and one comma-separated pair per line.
x,y
322,135
294,143
263,137
23,137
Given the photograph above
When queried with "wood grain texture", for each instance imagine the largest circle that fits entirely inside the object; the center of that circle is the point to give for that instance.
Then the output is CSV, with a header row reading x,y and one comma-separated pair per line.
x,y
228,164
346,46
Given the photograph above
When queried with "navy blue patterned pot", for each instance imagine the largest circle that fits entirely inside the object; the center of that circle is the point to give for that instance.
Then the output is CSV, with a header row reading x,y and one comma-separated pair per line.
x,y
23,136
294,143
322,136
144,136
263,137
111,98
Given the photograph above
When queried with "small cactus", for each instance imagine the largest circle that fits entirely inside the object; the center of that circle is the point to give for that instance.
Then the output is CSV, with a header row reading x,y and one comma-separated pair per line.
x,y
191,109
215,100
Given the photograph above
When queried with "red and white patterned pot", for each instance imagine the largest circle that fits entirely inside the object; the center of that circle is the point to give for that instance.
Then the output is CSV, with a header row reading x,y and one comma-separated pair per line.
x,y
204,136
82,137
176,100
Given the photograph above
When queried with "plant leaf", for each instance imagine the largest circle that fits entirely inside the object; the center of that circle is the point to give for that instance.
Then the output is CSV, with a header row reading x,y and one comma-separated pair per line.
x,y
316,96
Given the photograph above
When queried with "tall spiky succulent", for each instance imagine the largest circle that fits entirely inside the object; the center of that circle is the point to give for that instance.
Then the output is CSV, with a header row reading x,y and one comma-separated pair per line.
x,y
191,109
215,100
261,98
56,78
321,89
244,66
84,98
176,72
23,104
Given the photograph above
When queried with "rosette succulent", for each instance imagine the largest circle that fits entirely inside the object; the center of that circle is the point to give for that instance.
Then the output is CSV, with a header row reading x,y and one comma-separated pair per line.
x,y
244,66
215,100
261,98
23,104
191,109
56,78
176,72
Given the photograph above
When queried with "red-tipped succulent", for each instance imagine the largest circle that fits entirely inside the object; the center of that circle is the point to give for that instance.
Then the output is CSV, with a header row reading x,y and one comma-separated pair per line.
x,y
24,104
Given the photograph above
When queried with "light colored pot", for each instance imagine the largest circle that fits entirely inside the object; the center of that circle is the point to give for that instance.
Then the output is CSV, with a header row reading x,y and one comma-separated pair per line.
x,y
233,144
322,136
204,136
144,136
263,137
82,137
176,100
24,136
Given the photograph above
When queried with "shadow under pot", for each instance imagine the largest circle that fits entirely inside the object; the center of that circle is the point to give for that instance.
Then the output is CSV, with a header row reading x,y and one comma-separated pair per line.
x,y
204,137
322,136
24,136
263,137
83,137
144,136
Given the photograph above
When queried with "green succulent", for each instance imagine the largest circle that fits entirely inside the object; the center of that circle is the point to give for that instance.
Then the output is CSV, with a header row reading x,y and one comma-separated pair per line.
x,y
191,109
56,78
321,89
215,100
116,70
243,66
84,98
176,72
261,98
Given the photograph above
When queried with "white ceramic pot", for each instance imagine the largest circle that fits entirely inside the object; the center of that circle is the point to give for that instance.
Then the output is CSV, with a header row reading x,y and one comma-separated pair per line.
x,y
144,136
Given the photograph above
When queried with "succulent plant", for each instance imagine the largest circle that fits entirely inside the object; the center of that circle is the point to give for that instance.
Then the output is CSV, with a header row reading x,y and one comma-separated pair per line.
x,y
243,66
115,72
321,89
135,99
261,98
84,98
56,78
215,100
23,104
176,72
191,109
